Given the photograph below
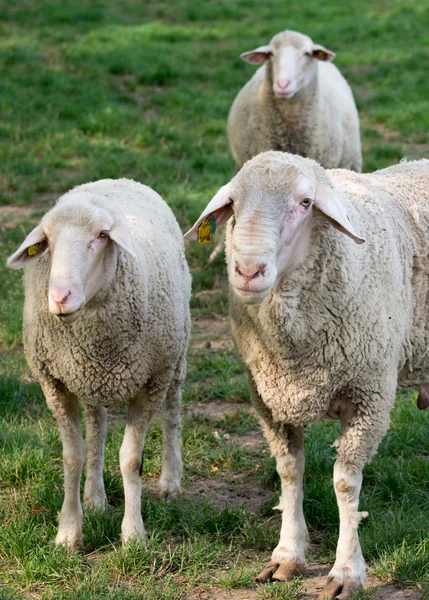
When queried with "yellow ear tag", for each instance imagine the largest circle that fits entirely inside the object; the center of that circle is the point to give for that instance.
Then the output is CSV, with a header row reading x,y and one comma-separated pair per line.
x,y
32,250
320,55
204,232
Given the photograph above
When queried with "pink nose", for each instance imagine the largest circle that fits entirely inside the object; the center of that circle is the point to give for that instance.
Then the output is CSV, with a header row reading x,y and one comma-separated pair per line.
x,y
283,84
60,296
249,273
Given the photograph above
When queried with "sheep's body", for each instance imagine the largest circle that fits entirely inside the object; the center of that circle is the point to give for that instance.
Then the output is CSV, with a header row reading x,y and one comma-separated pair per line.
x,y
348,318
140,328
325,327
127,345
319,122
340,334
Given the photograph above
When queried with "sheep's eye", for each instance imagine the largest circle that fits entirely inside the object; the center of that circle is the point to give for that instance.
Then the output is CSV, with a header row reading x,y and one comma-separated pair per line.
x,y
103,234
306,202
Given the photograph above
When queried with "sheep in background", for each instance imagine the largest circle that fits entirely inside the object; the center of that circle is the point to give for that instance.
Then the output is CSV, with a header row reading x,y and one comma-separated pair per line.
x,y
106,321
296,102
326,327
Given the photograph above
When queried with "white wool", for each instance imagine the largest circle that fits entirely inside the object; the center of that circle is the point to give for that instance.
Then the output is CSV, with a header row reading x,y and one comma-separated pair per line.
x,y
118,271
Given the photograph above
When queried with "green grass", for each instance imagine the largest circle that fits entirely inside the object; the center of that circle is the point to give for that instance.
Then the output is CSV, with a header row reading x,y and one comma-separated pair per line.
x,y
98,88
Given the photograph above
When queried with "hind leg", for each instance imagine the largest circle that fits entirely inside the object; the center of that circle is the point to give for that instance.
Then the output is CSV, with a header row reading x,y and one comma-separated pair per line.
x,y
96,431
172,466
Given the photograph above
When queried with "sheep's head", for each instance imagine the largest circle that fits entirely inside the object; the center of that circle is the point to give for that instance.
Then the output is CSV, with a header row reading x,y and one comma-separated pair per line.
x,y
275,200
80,235
292,61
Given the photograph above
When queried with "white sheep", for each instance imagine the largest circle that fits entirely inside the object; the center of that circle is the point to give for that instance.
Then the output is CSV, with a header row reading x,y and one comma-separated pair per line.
x,y
326,327
106,321
296,102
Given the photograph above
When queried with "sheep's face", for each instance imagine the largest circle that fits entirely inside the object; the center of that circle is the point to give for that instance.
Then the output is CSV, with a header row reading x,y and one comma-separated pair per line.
x,y
77,235
271,229
291,60
272,201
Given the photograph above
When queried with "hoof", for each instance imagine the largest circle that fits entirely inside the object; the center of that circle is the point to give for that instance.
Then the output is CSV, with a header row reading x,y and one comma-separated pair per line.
x,y
336,590
267,573
289,570
423,397
133,533
169,489
71,543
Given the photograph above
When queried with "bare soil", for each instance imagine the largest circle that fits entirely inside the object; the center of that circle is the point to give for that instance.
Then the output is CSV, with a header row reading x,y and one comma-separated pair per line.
x,y
211,332
312,586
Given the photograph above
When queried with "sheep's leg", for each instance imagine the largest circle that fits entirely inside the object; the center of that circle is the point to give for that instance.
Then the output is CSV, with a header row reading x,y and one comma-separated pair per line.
x,y
65,408
172,466
288,558
141,409
423,397
356,445
348,573
96,431
287,445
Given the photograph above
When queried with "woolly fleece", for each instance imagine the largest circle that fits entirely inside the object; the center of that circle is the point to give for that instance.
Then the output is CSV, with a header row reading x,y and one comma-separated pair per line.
x,y
138,325
351,322
319,122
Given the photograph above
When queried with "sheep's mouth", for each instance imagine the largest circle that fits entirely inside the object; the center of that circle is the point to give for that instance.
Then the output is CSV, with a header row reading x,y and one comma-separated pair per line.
x,y
252,296
68,317
284,95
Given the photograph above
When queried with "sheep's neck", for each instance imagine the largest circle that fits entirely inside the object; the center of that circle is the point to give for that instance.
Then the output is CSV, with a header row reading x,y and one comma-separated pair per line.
x,y
291,121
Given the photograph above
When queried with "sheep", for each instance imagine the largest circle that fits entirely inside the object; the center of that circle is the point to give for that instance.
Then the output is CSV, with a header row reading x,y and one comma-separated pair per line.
x,y
296,102
326,327
106,322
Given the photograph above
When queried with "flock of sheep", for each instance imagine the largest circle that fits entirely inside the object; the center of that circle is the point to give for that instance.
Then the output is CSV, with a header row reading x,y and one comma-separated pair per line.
x,y
327,326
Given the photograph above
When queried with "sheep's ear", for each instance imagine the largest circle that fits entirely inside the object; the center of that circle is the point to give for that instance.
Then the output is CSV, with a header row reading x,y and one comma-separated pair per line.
x,y
322,53
120,234
32,247
257,56
328,202
220,208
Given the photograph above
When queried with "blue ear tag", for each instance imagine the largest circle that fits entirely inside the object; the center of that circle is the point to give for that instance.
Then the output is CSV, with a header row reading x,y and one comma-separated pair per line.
x,y
213,225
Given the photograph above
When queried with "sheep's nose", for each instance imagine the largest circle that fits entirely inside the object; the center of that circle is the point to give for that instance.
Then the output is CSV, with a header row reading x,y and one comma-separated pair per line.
x,y
283,84
60,296
249,273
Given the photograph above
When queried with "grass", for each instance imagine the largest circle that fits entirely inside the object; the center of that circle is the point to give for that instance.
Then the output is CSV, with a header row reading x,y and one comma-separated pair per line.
x,y
98,88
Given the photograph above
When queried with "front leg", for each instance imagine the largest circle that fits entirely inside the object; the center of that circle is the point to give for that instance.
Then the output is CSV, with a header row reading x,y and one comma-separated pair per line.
x,y
64,406
287,445
356,445
288,559
141,409
96,431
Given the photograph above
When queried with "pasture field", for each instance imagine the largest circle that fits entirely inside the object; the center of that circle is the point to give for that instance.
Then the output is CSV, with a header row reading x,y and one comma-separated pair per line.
x,y
101,88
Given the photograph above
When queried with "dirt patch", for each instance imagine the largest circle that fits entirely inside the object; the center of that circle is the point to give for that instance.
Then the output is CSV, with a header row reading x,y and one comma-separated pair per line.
x,y
12,216
211,333
215,410
219,594
312,585
315,579
222,494
252,439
